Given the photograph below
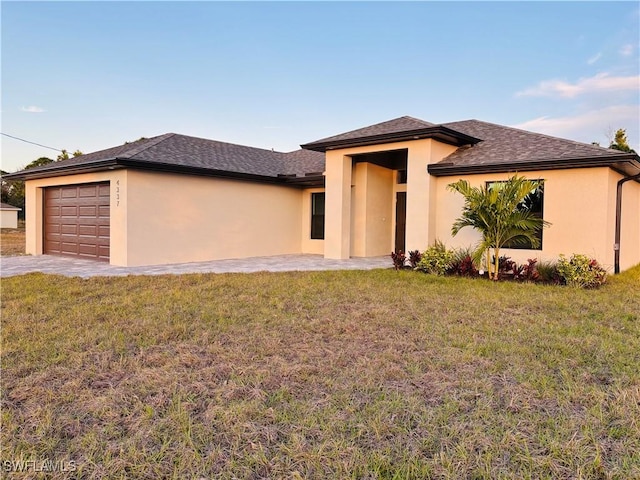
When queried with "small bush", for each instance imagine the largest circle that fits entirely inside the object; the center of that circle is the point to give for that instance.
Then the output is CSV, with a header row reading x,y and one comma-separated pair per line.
x,y
506,266
436,260
398,259
528,272
581,271
462,264
414,258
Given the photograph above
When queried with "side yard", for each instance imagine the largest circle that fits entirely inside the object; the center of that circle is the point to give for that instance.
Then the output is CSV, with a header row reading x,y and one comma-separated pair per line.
x,y
12,240
379,374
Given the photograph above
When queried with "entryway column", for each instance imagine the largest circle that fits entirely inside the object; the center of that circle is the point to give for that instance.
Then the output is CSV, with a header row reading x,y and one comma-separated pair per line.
x,y
419,208
337,227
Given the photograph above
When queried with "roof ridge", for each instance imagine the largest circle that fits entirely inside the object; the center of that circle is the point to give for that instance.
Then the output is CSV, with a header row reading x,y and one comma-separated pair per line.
x,y
428,124
266,150
145,145
529,132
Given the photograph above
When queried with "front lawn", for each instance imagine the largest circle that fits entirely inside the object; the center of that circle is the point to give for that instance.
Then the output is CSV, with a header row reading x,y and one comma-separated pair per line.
x,y
379,374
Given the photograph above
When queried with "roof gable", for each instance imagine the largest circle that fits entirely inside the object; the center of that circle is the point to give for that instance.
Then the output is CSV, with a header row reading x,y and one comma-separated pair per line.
x,y
401,124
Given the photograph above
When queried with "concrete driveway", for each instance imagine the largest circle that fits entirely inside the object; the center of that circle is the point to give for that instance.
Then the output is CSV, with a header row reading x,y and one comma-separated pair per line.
x,y
72,267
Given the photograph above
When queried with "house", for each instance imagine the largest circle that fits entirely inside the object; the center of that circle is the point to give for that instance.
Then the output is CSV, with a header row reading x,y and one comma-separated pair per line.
x,y
175,198
8,216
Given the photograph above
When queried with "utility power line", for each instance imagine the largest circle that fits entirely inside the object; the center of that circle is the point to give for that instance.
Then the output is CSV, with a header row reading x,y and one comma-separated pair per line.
x,y
32,143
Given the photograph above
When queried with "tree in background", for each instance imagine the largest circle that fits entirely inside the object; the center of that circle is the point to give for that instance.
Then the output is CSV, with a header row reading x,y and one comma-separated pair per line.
x,y
64,155
620,142
499,212
12,191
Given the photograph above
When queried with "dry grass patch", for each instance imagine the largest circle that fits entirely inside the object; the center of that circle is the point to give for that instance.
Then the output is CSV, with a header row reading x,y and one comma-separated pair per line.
x,y
12,240
377,374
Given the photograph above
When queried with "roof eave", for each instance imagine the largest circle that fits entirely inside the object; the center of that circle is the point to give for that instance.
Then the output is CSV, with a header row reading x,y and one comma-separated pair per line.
x,y
58,170
627,165
307,181
438,132
120,163
201,171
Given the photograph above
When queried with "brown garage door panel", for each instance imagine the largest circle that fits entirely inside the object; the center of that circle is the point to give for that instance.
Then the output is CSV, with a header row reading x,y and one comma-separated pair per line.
x,y
77,220
69,229
69,192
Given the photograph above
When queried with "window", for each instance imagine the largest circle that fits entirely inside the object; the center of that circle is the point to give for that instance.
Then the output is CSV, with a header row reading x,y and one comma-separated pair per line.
x,y
317,216
402,176
534,202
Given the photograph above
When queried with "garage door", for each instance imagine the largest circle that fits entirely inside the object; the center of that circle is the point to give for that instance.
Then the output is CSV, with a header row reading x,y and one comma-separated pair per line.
x,y
76,220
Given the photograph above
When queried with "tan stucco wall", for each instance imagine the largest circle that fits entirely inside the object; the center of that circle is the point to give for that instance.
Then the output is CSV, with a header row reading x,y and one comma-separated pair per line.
x,y
630,226
337,223
341,218
118,221
8,218
159,218
579,203
309,245
372,214
179,218
421,196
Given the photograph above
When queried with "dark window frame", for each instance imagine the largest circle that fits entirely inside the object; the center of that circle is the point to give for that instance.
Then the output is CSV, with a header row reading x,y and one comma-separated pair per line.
x,y
317,215
538,211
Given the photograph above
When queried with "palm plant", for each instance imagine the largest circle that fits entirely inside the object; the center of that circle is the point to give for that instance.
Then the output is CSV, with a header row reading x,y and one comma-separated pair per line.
x,y
497,212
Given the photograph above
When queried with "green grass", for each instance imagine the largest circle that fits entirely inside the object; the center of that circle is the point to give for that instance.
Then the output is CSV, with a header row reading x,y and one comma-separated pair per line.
x,y
380,374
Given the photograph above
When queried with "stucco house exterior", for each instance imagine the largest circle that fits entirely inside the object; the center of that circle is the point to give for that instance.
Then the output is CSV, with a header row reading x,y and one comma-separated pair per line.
x,y
8,216
175,198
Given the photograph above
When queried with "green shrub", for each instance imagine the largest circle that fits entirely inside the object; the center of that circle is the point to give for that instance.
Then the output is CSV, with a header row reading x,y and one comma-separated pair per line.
x,y
436,260
581,271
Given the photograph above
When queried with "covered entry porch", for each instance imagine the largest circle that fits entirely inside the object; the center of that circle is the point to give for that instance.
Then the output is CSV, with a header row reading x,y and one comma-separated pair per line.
x,y
380,198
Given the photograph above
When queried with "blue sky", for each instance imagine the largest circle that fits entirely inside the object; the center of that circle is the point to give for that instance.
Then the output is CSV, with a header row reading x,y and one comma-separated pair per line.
x,y
92,75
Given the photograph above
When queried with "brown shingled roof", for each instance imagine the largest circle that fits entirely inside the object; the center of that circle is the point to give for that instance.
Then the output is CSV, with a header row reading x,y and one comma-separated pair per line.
x,y
185,152
508,148
483,147
502,144
397,125
396,130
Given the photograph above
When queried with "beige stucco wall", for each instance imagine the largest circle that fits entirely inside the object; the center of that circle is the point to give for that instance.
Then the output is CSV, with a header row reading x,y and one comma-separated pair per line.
x,y
9,218
118,221
179,218
372,215
630,226
159,218
421,192
344,220
579,203
337,223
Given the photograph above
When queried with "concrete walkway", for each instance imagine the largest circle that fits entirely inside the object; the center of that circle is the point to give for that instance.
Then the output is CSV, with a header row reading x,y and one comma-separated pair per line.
x,y
72,267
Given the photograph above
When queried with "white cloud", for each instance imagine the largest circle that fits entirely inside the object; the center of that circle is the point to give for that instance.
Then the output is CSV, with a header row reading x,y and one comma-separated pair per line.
x,y
595,125
595,58
602,82
626,50
33,109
